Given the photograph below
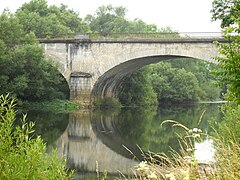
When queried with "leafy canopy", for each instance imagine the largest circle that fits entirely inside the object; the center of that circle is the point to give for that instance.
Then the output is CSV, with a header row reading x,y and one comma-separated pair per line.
x,y
24,71
174,81
228,12
137,90
36,16
109,19
228,73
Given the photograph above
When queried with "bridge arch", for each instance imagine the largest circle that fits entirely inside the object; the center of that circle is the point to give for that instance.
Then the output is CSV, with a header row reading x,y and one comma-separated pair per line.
x,y
108,84
96,68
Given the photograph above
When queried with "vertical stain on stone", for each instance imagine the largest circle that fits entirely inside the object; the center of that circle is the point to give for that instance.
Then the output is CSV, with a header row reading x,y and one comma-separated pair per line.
x,y
67,55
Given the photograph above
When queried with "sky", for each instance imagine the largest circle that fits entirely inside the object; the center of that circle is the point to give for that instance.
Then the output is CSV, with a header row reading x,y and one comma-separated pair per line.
x,y
180,15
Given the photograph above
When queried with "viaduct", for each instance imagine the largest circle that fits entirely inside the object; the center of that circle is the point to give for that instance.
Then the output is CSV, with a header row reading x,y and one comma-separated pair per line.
x,y
96,68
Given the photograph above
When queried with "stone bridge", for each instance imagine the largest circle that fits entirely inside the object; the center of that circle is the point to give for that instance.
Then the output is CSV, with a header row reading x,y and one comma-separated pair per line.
x,y
96,68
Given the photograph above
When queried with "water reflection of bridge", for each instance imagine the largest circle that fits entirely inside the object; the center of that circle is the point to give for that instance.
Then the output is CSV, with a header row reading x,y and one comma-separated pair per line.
x,y
81,145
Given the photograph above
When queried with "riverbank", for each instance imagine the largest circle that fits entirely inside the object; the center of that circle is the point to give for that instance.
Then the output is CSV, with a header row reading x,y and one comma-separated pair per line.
x,y
57,105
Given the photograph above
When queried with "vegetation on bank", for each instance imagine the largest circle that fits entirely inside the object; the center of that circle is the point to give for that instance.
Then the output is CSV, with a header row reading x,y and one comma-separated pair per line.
x,y
106,103
228,12
57,105
21,155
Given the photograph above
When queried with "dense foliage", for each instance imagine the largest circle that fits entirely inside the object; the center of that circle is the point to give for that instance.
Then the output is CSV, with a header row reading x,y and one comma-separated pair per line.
x,y
202,70
227,11
172,84
228,73
21,156
109,19
24,71
52,21
137,90
178,80
36,16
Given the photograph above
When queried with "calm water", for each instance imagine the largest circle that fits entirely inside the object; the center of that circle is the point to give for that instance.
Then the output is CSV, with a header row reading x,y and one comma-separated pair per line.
x,y
109,140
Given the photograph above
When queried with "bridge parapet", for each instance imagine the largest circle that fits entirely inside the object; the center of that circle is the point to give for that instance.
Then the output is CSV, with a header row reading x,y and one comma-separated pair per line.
x,y
135,36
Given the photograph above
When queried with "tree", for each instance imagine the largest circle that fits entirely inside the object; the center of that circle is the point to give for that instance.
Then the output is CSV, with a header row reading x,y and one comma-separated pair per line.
x,y
202,70
108,19
173,85
159,82
137,90
228,11
24,71
139,26
228,72
36,16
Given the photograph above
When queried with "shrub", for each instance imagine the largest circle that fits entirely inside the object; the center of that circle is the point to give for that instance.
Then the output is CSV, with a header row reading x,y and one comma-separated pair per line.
x,y
228,129
21,155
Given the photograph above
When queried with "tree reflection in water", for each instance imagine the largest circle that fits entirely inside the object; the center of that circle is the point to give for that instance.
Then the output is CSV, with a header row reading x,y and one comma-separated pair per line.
x,y
143,126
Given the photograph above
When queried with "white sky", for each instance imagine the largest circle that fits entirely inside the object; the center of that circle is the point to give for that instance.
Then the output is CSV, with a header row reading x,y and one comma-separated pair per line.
x,y
180,15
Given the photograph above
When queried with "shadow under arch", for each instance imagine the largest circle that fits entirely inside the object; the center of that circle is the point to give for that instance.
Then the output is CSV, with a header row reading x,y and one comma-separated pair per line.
x,y
108,84
64,87
55,60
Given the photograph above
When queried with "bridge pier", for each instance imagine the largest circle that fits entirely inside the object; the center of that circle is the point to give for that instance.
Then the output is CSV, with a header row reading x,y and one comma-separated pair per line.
x,y
83,98
81,88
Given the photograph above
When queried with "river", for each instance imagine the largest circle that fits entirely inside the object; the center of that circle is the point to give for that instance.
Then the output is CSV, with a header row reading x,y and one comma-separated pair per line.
x,y
110,140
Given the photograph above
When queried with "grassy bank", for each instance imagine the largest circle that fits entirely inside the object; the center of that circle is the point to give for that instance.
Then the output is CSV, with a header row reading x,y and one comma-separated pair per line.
x,y
54,106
